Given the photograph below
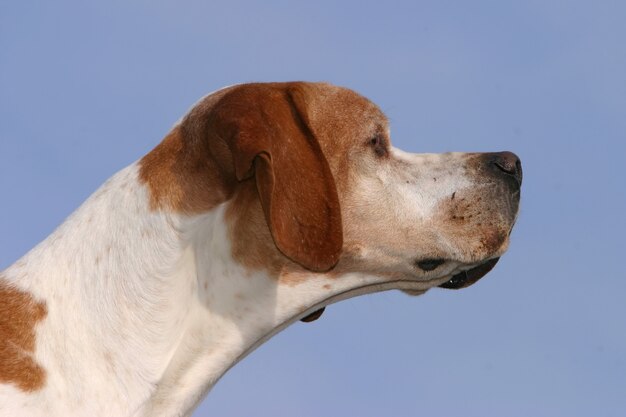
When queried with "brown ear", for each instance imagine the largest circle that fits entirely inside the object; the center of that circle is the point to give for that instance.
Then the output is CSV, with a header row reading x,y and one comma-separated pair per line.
x,y
267,130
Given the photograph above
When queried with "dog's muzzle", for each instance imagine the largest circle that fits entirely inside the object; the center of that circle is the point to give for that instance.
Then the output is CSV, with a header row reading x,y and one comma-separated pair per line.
x,y
502,166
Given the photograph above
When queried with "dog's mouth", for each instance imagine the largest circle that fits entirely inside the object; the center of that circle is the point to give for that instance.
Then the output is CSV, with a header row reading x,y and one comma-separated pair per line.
x,y
466,278
461,280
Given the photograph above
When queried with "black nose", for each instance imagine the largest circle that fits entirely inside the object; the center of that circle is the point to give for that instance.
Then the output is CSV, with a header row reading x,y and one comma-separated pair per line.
x,y
508,163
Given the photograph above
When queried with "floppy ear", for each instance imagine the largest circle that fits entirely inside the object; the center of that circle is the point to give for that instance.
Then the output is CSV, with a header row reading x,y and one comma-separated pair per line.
x,y
267,131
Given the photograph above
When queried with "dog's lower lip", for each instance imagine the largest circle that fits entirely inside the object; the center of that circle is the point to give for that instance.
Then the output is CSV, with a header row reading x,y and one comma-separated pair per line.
x,y
467,278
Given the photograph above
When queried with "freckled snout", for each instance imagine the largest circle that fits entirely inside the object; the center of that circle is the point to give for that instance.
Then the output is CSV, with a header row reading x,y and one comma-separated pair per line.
x,y
478,220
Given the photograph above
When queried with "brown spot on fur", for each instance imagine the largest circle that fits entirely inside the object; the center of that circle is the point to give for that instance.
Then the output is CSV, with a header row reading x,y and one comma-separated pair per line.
x,y
108,360
19,313
293,276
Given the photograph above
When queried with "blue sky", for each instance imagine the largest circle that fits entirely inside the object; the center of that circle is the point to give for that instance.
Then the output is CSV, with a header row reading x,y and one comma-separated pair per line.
x,y
88,87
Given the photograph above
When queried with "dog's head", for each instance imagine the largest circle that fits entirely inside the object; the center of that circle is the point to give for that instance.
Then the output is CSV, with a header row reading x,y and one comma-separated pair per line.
x,y
316,192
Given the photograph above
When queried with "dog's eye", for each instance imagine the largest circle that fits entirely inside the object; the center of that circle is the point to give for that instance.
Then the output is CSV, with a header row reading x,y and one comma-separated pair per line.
x,y
377,142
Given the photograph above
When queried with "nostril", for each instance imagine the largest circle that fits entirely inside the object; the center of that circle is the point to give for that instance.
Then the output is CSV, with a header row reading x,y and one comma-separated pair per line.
x,y
508,163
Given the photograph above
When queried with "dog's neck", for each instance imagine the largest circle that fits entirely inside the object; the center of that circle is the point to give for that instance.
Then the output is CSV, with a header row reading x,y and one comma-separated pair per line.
x,y
147,309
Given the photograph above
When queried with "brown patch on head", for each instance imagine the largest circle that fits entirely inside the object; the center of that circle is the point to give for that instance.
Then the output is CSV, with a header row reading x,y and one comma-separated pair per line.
x,y
339,121
257,134
479,219
19,313
282,154
267,130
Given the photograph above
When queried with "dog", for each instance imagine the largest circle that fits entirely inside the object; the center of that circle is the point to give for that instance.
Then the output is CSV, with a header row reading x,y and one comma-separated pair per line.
x,y
264,204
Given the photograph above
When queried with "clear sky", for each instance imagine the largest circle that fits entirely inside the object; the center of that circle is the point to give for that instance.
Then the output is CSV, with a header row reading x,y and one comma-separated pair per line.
x,y
88,87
